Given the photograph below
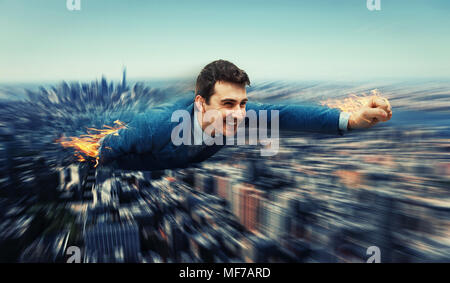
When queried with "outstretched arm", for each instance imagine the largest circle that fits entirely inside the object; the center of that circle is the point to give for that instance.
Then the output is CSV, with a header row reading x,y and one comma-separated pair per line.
x,y
301,117
327,120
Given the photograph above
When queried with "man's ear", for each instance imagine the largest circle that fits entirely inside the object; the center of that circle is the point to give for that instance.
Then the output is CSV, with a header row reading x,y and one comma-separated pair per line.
x,y
199,102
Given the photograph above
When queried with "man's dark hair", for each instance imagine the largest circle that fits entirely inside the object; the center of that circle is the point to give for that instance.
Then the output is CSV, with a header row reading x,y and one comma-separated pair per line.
x,y
219,70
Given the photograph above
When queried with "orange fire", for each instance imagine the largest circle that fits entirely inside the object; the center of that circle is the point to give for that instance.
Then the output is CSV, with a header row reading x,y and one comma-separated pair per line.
x,y
88,145
352,103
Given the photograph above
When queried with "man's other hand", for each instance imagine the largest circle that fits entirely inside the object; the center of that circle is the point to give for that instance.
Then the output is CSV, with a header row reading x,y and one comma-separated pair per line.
x,y
376,110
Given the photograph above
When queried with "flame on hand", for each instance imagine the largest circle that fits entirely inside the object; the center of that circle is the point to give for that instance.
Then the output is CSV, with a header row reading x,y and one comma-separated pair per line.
x,y
350,104
88,145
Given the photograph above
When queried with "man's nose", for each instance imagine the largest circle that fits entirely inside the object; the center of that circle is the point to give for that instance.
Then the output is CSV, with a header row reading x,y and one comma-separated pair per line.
x,y
238,114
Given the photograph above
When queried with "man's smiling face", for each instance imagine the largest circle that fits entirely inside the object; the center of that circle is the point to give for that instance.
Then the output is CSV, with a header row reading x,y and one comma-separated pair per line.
x,y
225,109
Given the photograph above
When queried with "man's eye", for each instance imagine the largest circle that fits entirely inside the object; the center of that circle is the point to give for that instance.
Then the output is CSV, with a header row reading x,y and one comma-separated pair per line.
x,y
228,103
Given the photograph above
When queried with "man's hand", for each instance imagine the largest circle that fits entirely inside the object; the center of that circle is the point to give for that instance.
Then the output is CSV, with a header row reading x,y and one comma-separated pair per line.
x,y
376,110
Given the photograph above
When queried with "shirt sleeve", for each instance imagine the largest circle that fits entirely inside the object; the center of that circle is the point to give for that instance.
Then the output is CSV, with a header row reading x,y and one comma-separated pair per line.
x,y
293,117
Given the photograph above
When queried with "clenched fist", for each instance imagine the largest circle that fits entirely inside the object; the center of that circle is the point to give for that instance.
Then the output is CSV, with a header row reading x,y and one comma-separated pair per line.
x,y
376,110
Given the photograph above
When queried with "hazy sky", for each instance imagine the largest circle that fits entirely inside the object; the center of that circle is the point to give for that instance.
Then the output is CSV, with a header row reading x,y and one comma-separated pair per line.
x,y
42,40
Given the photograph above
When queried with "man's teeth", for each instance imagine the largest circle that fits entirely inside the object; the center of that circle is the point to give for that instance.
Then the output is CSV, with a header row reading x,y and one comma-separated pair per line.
x,y
231,123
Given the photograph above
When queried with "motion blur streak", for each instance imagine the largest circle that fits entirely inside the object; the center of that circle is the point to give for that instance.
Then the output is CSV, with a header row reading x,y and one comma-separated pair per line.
x,y
320,199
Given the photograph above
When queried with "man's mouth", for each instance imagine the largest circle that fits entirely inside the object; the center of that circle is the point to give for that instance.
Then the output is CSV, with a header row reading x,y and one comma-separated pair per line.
x,y
232,123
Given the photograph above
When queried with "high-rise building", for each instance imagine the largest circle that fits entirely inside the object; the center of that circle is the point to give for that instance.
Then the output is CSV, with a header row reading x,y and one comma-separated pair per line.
x,y
251,201
222,187
274,220
112,242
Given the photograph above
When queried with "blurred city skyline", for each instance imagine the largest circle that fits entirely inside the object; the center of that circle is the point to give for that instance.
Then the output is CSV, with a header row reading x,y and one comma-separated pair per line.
x,y
292,40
